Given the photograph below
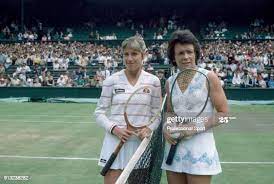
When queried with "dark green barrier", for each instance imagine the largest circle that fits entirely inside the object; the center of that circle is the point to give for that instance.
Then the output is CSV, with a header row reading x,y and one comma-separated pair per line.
x,y
46,92
249,94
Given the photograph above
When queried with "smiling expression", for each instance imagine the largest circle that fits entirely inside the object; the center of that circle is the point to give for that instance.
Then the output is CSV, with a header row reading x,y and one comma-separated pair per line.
x,y
133,59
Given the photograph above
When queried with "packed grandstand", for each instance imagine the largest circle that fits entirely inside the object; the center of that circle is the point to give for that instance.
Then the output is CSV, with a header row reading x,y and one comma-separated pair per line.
x,y
84,54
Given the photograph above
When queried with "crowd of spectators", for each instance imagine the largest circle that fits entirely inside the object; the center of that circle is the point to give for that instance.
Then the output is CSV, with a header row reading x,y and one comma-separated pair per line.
x,y
257,30
76,64
36,60
241,64
39,31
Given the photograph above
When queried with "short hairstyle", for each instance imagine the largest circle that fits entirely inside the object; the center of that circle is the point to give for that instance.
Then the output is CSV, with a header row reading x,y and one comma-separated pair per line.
x,y
134,42
182,37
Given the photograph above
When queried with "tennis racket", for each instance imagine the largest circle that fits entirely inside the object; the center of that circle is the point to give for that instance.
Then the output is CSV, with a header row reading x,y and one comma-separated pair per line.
x,y
139,95
137,155
184,89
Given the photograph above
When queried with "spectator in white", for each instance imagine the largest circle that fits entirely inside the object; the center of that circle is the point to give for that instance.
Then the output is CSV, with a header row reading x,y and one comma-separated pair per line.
x,y
170,24
63,63
31,37
26,35
7,33
48,36
8,62
154,36
101,58
233,66
56,65
29,82
61,81
21,71
25,68
265,59
69,36
260,80
253,68
36,82
69,81
245,79
2,69
15,81
159,36
20,36
105,73
138,34
222,74
264,75
165,32
108,63
3,81
111,37
236,80
44,38
201,64
82,61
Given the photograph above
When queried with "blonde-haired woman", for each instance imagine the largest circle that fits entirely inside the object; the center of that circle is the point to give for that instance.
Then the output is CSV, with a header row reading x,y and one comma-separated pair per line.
x,y
115,91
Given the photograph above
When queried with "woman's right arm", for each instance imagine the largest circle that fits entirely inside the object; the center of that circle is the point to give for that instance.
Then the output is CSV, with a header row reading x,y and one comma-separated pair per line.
x,y
104,105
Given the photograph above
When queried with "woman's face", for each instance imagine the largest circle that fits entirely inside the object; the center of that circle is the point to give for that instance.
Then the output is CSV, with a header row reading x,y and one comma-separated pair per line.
x,y
184,55
133,59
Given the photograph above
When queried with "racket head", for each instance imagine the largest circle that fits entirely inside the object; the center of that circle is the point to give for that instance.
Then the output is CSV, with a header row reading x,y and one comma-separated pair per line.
x,y
188,82
136,107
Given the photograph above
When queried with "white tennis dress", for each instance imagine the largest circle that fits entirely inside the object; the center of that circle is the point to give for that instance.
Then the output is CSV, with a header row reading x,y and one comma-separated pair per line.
x,y
110,108
197,155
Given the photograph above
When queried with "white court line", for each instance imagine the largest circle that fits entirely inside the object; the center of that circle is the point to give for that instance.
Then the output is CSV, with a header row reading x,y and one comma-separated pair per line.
x,y
96,159
264,124
270,163
41,121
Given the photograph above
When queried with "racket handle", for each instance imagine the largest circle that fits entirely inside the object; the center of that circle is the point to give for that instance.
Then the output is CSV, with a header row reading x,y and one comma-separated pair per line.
x,y
171,154
108,164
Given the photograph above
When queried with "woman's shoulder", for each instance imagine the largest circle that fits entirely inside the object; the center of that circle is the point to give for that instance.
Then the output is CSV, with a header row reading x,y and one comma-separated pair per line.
x,y
204,71
150,77
113,79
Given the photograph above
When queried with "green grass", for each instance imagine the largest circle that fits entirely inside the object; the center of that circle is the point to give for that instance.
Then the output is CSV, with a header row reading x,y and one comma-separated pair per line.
x,y
69,130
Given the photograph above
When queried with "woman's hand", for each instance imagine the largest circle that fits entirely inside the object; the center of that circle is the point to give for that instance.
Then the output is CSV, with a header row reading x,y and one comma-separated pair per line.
x,y
167,135
122,133
144,132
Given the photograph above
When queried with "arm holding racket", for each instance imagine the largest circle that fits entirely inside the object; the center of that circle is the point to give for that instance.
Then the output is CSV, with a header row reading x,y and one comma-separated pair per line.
x,y
103,106
219,102
131,128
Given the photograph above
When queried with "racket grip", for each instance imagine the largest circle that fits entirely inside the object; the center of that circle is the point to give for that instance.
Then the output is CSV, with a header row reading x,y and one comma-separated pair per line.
x,y
171,154
108,164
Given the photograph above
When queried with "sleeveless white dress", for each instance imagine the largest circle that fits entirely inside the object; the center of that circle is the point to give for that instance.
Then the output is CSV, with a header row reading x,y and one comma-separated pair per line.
x,y
197,155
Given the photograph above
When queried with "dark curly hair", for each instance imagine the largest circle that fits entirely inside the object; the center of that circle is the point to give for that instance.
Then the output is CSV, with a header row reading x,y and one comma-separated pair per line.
x,y
182,37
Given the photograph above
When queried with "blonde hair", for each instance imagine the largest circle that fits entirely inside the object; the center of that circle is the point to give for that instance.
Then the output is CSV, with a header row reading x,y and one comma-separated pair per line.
x,y
134,42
